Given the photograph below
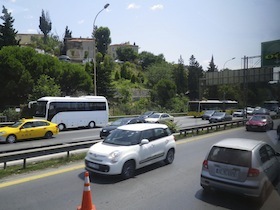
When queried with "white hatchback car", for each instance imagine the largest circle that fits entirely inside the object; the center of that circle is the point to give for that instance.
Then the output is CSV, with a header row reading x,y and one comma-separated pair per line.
x,y
130,147
242,166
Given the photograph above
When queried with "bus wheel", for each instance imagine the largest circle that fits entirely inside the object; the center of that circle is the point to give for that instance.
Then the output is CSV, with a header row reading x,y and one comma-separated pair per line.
x,y
91,124
61,127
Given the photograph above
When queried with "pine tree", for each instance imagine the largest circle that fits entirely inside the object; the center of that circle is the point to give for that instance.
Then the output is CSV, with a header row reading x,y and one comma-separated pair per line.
x,y
195,73
67,35
45,25
212,67
7,32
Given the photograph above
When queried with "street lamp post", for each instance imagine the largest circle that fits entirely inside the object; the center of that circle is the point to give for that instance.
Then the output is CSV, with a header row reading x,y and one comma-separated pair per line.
x,y
94,49
228,61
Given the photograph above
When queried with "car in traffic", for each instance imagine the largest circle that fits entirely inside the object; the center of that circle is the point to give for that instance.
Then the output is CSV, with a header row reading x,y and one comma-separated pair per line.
x,y
131,147
259,123
261,111
220,117
238,113
207,114
249,110
105,131
28,129
242,166
159,118
146,115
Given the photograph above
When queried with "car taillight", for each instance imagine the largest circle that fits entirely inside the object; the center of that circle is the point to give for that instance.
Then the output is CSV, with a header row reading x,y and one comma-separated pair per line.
x,y
253,172
205,164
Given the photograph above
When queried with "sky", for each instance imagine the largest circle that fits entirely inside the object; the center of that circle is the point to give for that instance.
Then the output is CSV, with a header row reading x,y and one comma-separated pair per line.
x,y
224,29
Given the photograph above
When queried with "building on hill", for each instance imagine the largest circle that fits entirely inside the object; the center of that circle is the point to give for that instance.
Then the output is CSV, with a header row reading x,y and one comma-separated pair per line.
x,y
112,49
26,39
80,49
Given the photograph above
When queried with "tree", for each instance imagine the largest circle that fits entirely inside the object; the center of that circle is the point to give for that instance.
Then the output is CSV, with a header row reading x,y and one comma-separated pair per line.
x,y
158,71
146,59
17,81
195,73
45,25
180,77
67,35
163,91
104,70
45,86
126,54
7,32
212,67
102,38
52,46
74,80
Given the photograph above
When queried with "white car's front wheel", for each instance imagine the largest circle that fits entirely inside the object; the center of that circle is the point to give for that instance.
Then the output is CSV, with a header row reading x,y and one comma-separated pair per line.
x,y
170,156
128,169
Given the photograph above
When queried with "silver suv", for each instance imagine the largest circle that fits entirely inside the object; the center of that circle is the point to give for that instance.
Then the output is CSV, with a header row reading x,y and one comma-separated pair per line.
x,y
242,166
130,147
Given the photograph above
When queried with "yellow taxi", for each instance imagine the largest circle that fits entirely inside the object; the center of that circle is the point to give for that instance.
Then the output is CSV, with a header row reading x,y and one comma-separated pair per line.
x,y
28,129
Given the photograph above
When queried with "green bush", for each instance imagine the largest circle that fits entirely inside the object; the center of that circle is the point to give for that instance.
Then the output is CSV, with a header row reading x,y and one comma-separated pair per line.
x,y
11,114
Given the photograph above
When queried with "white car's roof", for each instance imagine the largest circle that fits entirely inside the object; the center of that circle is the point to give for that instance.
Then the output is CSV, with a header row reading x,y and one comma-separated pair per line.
x,y
142,126
239,143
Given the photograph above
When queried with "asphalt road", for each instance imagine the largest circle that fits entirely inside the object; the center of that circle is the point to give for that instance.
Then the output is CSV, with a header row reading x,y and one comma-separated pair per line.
x,y
77,135
174,186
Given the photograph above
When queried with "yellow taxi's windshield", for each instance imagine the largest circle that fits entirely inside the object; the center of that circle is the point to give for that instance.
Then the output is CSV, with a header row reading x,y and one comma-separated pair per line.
x,y
16,124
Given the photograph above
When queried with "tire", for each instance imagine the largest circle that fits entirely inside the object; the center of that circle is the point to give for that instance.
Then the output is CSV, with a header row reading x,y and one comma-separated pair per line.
x,y
128,169
91,124
48,135
169,156
11,139
61,127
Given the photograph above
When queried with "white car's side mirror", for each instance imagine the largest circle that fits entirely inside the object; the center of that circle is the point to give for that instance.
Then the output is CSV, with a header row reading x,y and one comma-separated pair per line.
x,y
144,141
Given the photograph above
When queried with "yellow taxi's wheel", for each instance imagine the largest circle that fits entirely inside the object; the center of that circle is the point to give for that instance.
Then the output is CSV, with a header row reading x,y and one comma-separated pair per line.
x,y
48,135
11,139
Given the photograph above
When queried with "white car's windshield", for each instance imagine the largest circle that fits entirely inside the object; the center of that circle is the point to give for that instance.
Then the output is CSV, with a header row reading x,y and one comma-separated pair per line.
x,y
123,137
155,116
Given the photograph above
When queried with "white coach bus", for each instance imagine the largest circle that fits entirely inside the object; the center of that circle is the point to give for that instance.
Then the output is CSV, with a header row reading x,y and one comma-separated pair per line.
x,y
73,112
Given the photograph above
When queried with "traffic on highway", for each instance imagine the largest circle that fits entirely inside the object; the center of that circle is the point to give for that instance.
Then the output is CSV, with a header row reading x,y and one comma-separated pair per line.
x,y
174,186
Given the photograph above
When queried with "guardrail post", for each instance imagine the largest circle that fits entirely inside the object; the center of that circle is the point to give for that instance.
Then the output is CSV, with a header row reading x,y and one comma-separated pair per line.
x,y
24,163
5,165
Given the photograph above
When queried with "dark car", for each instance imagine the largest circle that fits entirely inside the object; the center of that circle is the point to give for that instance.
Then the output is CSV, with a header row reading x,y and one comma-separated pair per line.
x,y
207,114
259,123
220,117
261,111
105,131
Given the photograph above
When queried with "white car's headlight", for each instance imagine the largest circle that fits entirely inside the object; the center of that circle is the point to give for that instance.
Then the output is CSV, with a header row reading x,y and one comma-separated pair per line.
x,y
114,156
2,133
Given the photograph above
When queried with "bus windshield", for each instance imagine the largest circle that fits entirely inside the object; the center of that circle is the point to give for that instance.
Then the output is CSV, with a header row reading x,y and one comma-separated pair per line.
x,y
41,109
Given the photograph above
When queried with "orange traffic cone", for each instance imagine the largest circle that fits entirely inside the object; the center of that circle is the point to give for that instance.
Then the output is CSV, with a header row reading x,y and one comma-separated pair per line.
x,y
86,202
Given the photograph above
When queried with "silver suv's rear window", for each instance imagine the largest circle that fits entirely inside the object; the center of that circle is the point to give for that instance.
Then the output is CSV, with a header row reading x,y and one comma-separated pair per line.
x,y
230,156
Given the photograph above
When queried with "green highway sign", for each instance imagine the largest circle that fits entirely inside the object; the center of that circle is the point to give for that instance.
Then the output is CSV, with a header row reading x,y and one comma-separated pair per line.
x,y
271,53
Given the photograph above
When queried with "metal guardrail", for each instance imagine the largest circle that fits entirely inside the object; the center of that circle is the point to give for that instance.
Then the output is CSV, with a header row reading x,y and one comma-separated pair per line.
x,y
68,147
38,152
211,126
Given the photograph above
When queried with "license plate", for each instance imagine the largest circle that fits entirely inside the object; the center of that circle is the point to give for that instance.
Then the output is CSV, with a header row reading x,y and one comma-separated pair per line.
x,y
227,172
93,165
